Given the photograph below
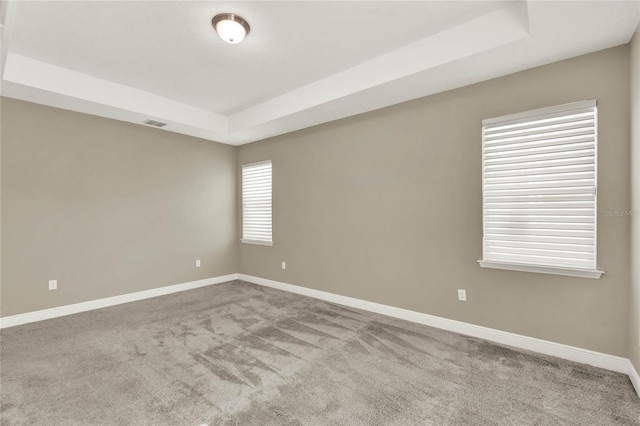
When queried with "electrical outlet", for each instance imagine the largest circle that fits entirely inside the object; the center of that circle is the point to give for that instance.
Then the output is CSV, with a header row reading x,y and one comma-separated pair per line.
x,y
198,263
53,284
284,265
462,295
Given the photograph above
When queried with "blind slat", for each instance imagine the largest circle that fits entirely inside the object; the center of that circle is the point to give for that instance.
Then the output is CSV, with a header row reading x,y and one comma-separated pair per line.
x,y
540,128
540,232
538,225
552,246
588,153
541,177
535,171
524,238
539,211
548,149
541,218
540,164
541,191
533,205
490,140
538,144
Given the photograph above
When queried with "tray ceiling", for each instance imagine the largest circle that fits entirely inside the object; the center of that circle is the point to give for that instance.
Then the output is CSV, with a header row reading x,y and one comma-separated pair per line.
x,y
303,64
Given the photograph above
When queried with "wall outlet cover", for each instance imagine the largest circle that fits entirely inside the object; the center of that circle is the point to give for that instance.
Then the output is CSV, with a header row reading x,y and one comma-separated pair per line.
x,y
462,295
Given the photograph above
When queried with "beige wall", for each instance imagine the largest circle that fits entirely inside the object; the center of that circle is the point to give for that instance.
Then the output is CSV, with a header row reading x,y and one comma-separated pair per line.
x,y
386,207
634,338
108,208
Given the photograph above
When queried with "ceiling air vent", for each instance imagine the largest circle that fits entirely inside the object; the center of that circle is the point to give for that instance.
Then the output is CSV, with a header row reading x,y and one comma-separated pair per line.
x,y
155,123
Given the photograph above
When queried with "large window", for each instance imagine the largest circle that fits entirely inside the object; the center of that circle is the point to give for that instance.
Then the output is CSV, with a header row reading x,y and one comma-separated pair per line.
x,y
256,203
539,179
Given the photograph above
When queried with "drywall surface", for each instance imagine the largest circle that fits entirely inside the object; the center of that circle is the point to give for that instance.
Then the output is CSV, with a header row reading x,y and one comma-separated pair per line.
x,y
634,329
108,208
387,207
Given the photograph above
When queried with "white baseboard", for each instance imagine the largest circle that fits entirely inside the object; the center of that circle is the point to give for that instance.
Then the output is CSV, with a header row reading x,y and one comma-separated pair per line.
x,y
60,311
634,377
584,356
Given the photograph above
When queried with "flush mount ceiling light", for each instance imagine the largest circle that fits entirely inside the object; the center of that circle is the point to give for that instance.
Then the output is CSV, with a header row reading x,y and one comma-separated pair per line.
x,y
231,28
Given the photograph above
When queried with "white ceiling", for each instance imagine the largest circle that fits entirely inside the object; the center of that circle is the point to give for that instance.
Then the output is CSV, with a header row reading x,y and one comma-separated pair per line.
x,y
304,62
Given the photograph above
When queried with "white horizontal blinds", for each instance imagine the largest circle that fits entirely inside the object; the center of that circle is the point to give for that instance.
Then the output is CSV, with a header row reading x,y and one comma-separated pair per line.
x,y
256,202
539,187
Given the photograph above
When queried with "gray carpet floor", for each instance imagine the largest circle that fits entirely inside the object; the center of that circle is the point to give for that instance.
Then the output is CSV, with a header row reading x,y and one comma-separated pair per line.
x,y
240,354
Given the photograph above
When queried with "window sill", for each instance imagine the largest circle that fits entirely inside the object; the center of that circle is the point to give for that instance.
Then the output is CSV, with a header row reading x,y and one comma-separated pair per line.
x,y
257,242
582,273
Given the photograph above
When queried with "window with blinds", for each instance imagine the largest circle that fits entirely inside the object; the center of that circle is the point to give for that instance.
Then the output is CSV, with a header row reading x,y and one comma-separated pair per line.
x,y
256,203
539,178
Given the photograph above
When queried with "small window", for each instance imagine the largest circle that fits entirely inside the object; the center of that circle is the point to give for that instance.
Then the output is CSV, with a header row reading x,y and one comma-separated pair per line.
x,y
539,178
256,203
